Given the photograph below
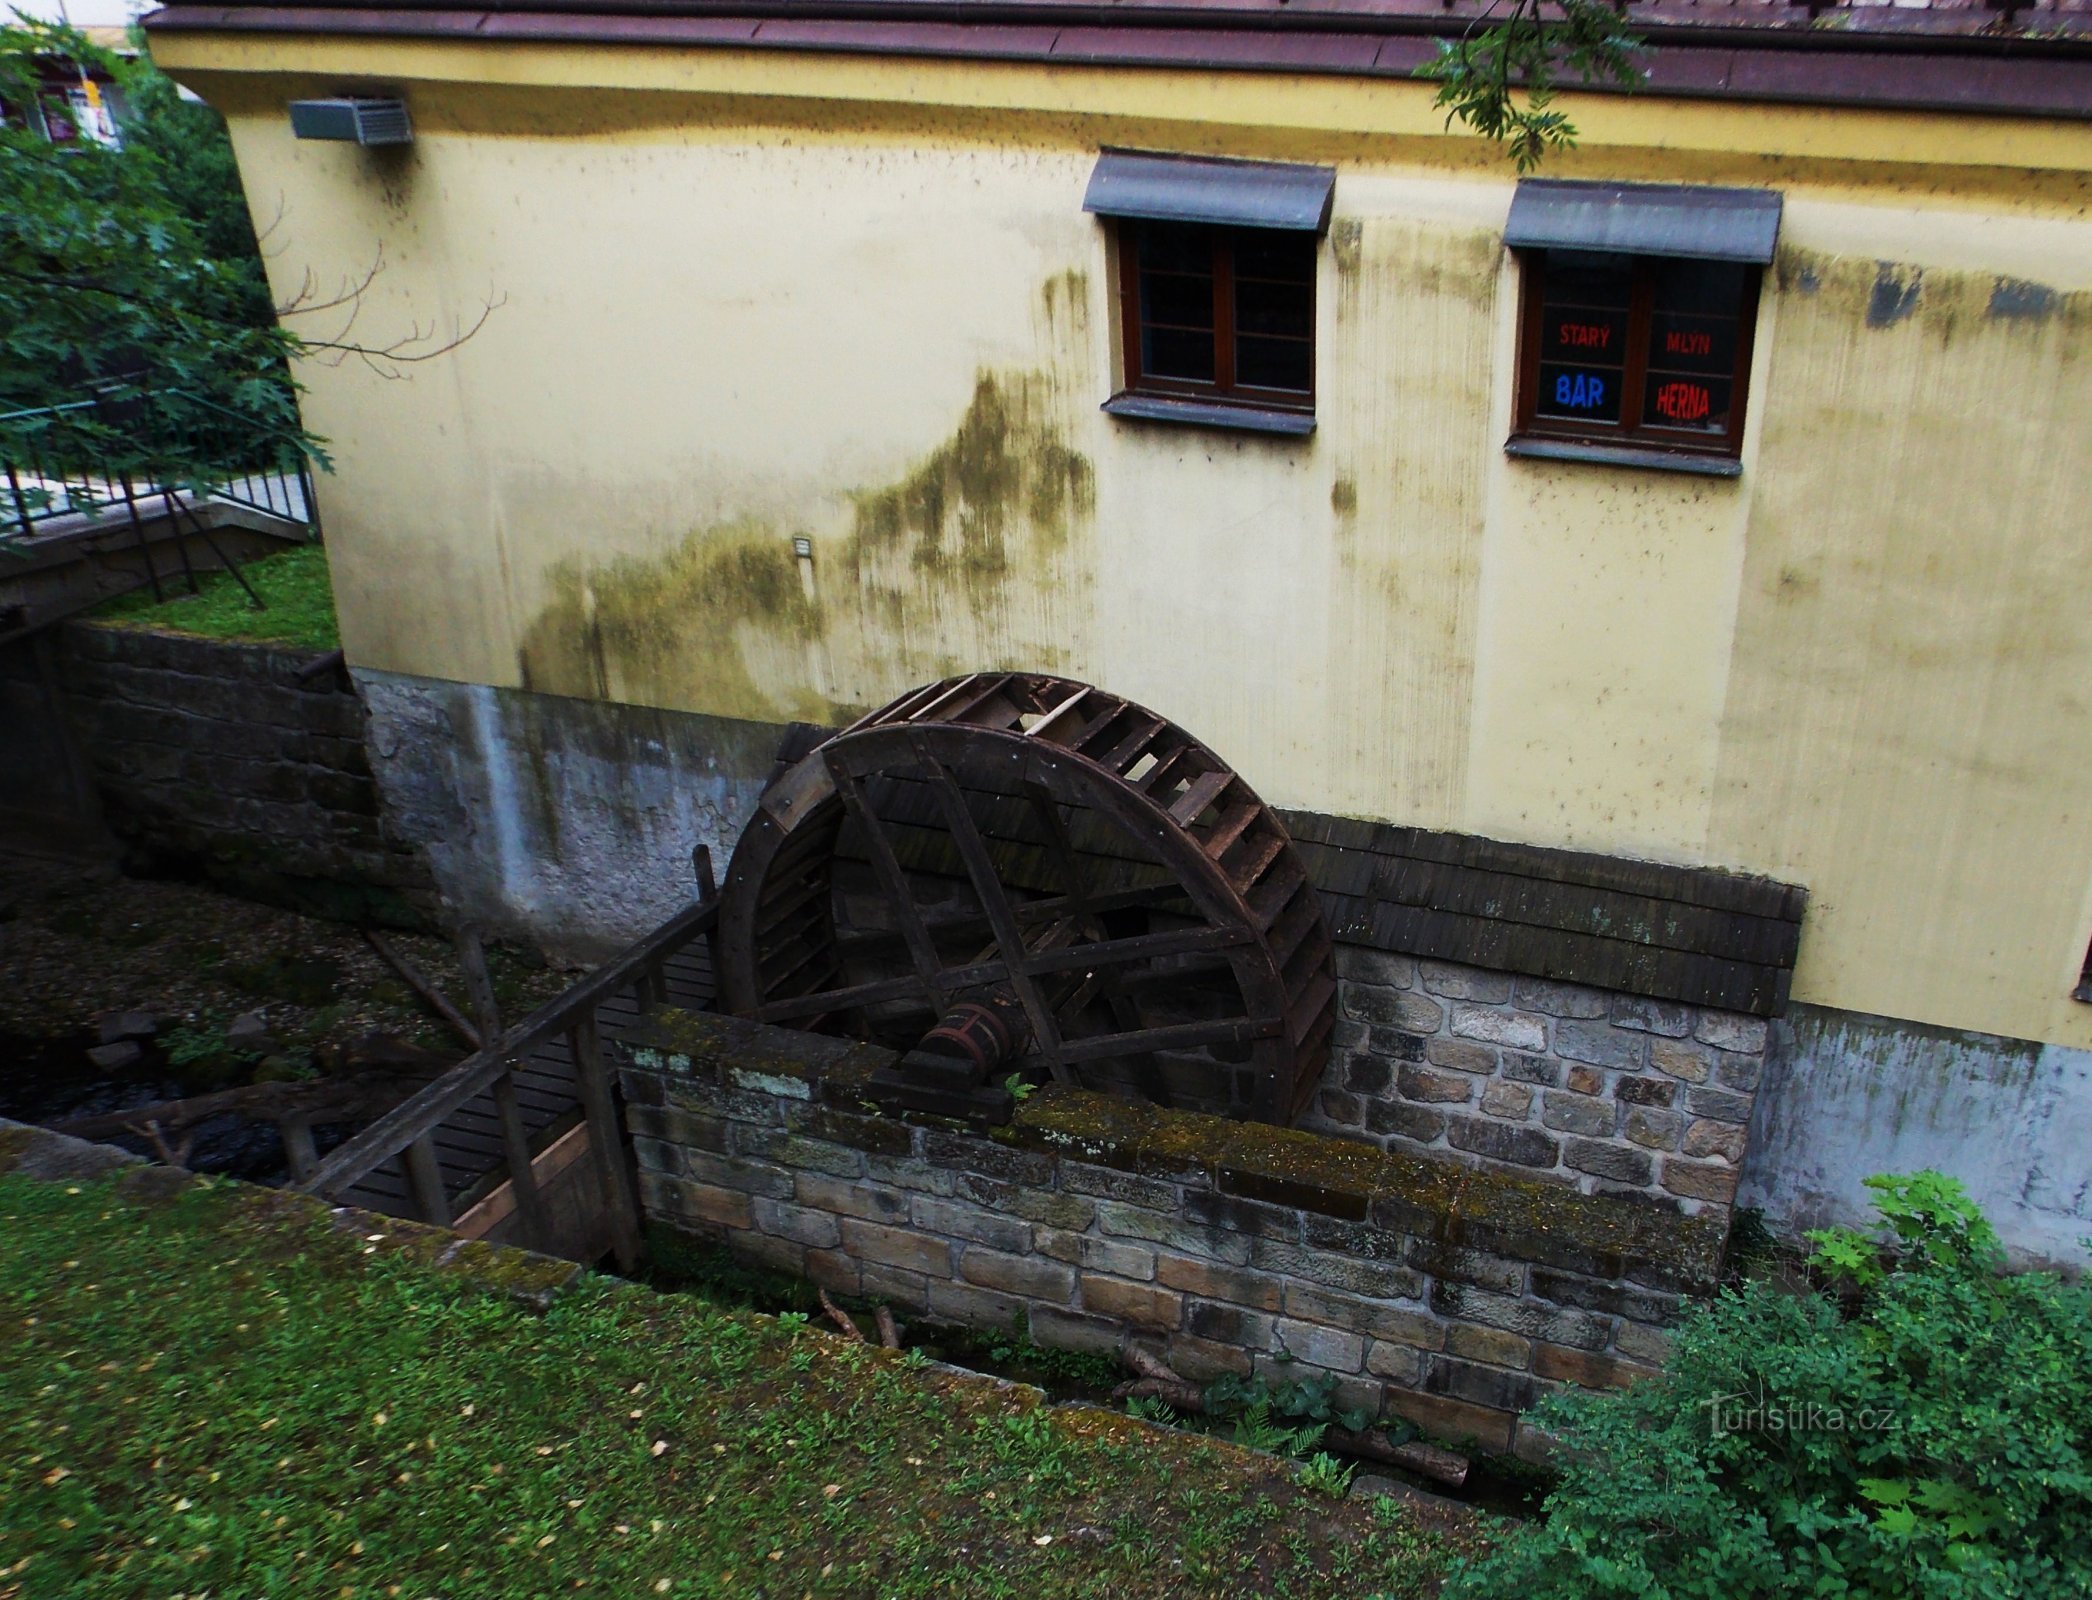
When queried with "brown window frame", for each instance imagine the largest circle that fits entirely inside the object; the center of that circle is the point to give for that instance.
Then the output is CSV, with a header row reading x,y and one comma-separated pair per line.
x,y
1628,436
1224,391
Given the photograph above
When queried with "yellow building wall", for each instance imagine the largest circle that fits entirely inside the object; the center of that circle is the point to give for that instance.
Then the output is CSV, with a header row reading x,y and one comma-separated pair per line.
x,y
743,299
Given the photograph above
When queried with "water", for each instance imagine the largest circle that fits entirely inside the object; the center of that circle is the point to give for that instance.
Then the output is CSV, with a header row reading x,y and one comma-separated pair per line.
x,y
49,1080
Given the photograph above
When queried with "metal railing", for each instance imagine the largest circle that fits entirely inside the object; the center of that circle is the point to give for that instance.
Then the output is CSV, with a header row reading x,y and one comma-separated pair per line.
x,y
116,452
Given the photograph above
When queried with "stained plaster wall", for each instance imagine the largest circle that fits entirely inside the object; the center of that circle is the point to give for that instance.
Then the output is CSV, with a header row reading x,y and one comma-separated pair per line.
x,y
860,303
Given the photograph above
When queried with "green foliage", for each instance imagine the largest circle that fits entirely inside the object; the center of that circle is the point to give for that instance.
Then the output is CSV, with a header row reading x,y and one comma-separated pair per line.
x,y
1325,1475
1929,1434
191,1043
1285,1418
1501,80
294,586
130,275
1015,1352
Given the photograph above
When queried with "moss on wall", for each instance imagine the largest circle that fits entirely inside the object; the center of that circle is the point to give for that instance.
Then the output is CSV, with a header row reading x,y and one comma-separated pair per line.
x,y
729,621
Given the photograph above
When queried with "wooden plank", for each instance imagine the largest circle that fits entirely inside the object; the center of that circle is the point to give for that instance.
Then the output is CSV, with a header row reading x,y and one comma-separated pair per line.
x,y
1575,958
522,1178
1576,908
921,949
1712,888
1177,1036
500,1203
607,1144
1202,793
425,1182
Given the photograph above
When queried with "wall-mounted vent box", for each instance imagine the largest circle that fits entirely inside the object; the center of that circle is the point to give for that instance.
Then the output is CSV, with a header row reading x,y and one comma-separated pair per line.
x,y
353,121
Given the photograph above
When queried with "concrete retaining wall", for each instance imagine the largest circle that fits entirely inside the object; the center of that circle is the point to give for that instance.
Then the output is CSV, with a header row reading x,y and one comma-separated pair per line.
x,y
1847,1095
222,759
565,823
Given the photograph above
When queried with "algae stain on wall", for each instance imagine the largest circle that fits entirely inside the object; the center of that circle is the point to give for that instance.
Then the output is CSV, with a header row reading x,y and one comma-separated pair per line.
x,y
687,629
966,560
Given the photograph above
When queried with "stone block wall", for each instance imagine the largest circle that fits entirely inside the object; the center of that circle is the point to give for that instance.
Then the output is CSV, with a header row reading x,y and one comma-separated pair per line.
x,y
229,760
1452,1296
1608,1093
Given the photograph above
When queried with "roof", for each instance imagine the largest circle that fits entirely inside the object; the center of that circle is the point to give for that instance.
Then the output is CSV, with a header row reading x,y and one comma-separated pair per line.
x,y
1950,55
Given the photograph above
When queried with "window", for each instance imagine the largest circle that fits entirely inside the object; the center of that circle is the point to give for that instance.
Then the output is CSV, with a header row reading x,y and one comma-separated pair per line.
x,y
1219,314
1636,350
1216,287
1636,313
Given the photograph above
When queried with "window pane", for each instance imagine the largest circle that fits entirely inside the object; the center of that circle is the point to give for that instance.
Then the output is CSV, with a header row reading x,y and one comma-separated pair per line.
x,y
1693,344
1275,363
1587,394
1588,278
1175,247
1176,299
1281,308
1583,334
1172,353
1702,287
1281,256
1574,334
1685,400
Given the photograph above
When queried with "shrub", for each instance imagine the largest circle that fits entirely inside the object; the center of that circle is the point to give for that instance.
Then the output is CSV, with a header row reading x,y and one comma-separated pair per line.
x,y
1922,1429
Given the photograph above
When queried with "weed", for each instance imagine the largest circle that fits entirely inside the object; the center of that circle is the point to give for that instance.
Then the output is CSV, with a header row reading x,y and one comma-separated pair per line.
x,y
1325,1475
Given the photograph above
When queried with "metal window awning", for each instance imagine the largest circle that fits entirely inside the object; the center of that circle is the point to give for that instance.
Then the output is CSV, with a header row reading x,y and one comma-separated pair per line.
x,y
1649,219
1245,194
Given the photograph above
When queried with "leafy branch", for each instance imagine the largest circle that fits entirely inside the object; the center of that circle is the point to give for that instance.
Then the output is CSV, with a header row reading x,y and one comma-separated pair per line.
x,y
1500,77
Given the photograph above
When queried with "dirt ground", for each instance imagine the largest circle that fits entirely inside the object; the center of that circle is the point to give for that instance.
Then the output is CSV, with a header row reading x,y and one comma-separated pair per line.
x,y
80,943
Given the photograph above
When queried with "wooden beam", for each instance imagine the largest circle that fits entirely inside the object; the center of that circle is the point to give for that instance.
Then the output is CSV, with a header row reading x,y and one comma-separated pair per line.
x,y
391,1133
922,950
606,1138
425,1181
980,867
516,1151
1108,952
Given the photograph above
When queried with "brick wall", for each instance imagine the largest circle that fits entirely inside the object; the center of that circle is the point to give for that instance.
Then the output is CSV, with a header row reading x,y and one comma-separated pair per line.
x,y
1608,1093
1431,1290
220,758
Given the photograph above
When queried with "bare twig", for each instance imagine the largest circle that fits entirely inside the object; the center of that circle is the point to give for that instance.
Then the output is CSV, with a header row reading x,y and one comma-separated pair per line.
x,y
889,1330
1157,1381
1425,1460
841,1318
436,1000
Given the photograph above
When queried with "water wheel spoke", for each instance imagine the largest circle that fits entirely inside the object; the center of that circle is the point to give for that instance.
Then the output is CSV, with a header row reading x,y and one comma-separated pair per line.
x,y
1100,982
987,885
928,967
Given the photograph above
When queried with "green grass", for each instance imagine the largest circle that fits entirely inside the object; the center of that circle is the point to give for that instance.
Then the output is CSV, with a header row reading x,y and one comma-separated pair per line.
x,y
294,587
215,1395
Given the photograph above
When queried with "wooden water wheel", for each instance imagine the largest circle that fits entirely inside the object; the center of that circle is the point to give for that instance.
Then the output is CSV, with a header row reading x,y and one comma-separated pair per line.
x,y
1014,873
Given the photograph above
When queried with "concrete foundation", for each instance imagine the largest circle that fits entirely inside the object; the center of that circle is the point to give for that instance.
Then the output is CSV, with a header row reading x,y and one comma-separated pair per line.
x,y
569,823
1846,1095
